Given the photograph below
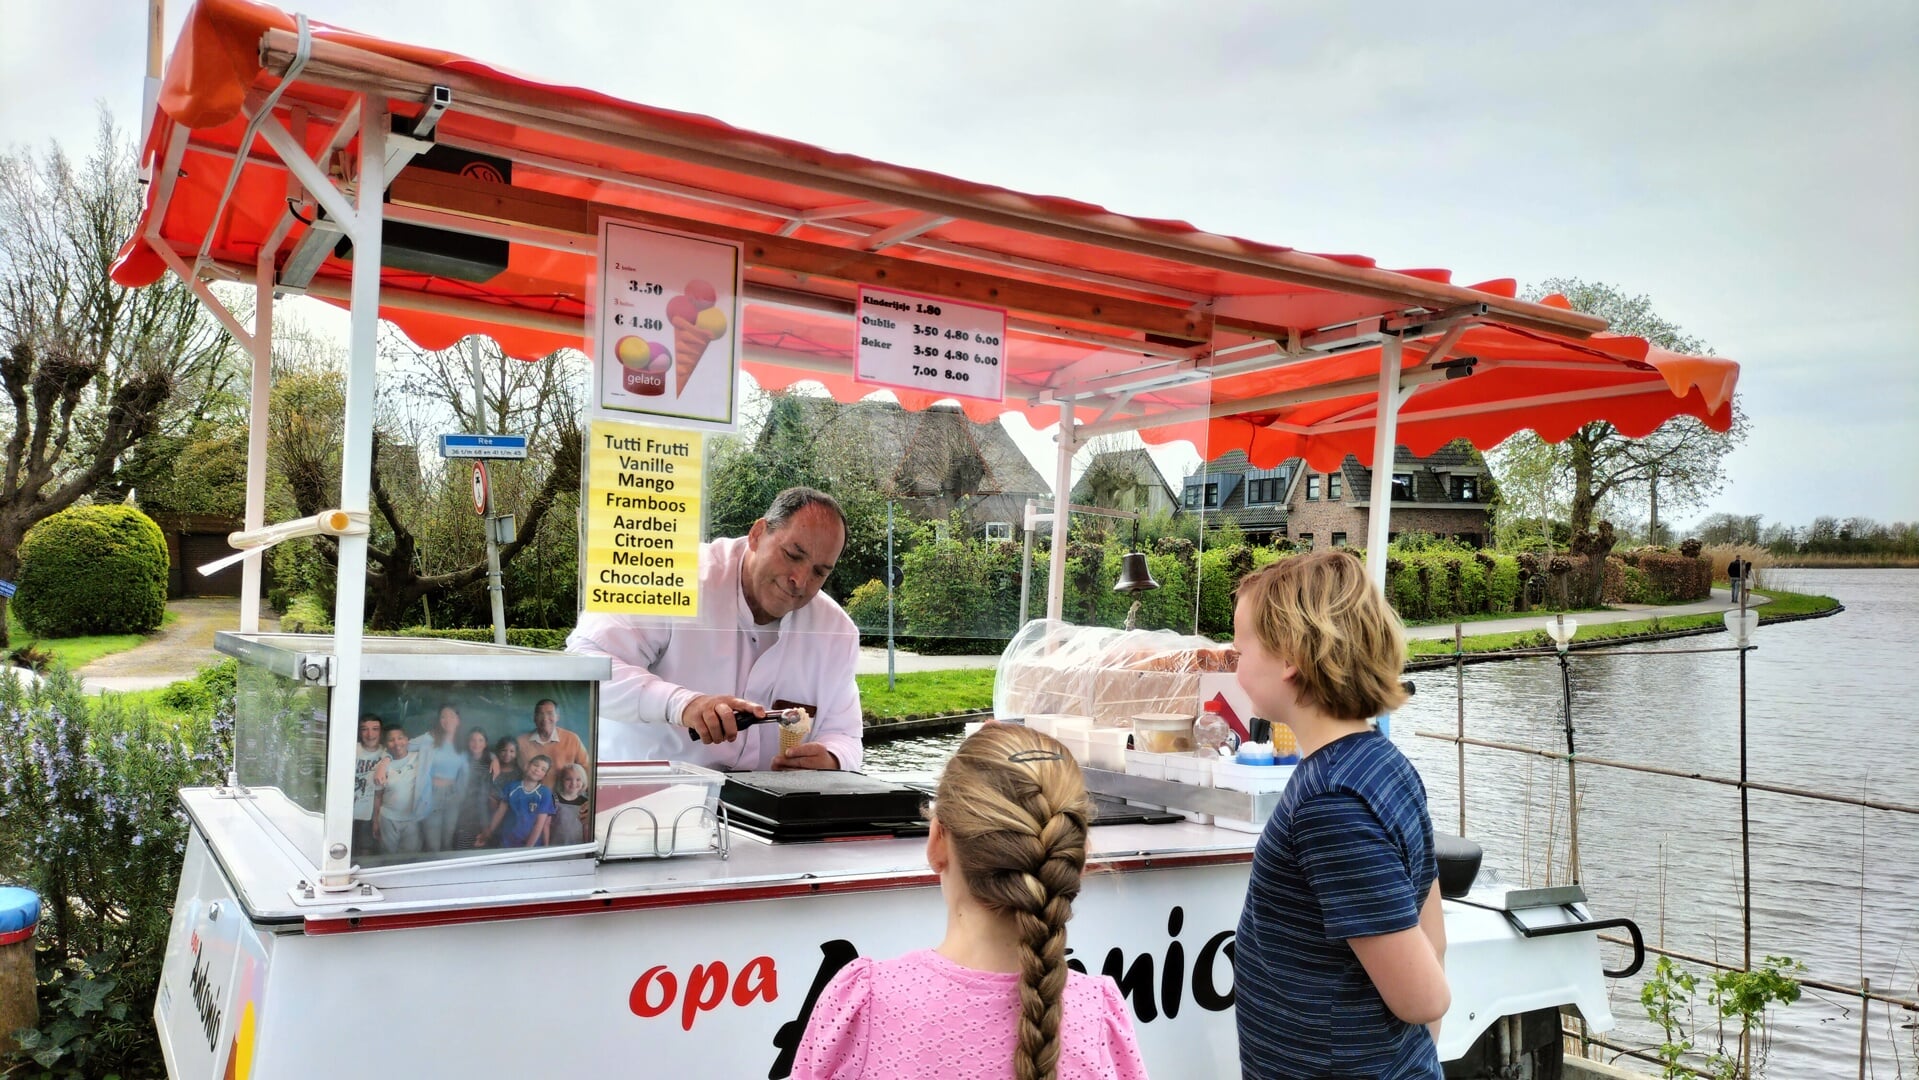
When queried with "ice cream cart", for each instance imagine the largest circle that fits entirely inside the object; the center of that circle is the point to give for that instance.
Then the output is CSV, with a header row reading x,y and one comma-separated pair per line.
x,y
448,197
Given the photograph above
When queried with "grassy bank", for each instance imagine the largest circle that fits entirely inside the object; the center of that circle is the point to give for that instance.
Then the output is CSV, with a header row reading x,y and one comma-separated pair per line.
x,y
1784,605
926,693
77,652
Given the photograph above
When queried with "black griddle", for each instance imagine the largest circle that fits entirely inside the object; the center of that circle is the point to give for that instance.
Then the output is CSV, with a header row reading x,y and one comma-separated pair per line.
x,y
810,805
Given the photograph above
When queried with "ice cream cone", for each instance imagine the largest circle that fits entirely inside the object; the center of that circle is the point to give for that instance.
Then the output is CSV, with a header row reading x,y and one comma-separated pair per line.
x,y
689,344
791,735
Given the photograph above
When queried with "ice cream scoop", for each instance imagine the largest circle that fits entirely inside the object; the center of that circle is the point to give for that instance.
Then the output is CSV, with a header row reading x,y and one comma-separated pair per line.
x,y
633,352
786,718
701,293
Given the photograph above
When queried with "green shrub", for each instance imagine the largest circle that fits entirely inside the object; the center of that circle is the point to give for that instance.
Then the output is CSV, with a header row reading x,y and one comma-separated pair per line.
x,y
866,606
93,570
208,691
307,615
93,824
525,637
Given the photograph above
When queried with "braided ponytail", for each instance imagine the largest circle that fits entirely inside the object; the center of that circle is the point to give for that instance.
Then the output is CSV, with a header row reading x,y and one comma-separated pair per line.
x,y
1014,805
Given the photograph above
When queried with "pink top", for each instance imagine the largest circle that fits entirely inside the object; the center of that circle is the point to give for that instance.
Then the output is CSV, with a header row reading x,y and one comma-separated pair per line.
x,y
922,1015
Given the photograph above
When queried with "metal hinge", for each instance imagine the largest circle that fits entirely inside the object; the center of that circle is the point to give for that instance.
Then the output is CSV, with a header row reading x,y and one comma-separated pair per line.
x,y
315,669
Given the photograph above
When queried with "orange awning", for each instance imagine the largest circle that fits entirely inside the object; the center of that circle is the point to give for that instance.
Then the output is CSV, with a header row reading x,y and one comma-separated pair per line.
x,y
1097,295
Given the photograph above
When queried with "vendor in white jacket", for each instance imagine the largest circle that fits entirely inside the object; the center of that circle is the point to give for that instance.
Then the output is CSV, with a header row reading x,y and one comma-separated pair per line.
x,y
764,637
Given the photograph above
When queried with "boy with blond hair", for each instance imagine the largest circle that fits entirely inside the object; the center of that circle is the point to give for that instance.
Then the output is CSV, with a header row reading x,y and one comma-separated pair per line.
x,y
1339,956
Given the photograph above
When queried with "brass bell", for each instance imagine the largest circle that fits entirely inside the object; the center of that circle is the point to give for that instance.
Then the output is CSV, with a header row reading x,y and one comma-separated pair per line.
x,y
1134,575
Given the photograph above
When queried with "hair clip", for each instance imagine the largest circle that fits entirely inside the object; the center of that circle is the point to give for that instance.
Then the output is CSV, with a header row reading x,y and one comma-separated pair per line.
x,y
1024,756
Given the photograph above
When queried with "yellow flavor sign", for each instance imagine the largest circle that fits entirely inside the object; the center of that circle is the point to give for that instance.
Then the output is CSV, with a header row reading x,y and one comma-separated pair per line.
x,y
642,504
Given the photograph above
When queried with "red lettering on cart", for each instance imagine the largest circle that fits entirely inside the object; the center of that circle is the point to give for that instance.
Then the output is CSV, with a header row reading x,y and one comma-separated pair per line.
x,y
759,978
640,999
705,977
708,986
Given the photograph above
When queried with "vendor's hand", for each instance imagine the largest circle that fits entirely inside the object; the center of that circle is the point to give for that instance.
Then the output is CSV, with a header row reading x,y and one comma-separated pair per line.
x,y
711,716
807,755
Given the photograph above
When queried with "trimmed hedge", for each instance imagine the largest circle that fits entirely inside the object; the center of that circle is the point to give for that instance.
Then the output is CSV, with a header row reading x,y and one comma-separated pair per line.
x,y
526,637
93,570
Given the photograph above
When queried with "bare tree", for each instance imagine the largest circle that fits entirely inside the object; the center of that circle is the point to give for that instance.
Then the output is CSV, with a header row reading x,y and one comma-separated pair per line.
x,y
1681,464
89,368
406,563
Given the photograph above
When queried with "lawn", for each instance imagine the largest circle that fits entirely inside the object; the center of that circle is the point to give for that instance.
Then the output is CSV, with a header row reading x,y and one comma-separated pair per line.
x,y
926,693
1783,604
77,652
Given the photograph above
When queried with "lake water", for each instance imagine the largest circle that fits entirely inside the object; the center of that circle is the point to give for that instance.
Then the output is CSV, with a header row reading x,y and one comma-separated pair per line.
x,y
1829,707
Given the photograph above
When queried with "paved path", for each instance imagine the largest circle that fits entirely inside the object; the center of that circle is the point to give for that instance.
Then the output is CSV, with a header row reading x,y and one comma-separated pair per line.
x,y
176,652
1721,601
873,661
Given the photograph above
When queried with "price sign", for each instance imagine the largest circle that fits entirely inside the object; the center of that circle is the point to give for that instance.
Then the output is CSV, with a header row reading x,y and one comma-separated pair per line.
x,y
665,326
912,342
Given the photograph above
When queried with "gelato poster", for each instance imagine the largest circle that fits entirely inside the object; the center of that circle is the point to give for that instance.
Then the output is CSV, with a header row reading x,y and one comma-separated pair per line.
x,y
666,326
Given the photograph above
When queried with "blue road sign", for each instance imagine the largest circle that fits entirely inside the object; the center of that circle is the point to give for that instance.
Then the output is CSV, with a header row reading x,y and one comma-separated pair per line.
x,y
488,447
7,588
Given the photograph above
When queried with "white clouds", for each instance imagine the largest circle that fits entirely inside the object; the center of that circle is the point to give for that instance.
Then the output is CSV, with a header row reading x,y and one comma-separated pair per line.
x,y
1749,165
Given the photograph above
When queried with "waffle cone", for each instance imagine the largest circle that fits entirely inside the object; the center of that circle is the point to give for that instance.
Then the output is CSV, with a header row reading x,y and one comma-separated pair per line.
x,y
689,344
791,735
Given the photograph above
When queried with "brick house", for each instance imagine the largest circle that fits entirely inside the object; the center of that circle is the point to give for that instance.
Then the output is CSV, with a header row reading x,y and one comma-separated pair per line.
x,y
1230,489
1445,494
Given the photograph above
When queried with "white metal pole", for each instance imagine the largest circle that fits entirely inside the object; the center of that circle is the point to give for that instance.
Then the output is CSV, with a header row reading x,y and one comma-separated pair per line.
x,y
495,588
1062,489
356,472
1385,438
156,50
261,345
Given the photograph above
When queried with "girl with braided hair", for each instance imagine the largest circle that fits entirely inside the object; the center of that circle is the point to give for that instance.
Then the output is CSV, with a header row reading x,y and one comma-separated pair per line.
x,y
1008,841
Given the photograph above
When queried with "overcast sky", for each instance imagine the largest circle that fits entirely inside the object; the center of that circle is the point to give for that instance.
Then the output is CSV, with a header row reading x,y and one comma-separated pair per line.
x,y
1751,166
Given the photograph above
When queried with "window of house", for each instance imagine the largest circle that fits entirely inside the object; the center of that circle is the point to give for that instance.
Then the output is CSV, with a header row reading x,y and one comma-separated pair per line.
x,y
1402,487
1306,541
1466,488
1212,495
1190,499
1339,539
1332,486
1312,488
1262,491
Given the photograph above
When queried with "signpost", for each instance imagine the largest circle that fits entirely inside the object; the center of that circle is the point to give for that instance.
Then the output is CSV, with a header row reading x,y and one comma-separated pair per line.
x,y
913,342
484,447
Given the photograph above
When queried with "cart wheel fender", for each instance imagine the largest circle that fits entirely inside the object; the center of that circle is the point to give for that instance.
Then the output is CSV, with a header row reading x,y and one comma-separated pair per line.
x,y
1493,971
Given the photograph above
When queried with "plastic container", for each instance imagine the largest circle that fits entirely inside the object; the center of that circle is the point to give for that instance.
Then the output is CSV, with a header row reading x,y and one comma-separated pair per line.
x,y
1233,776
1076,743
1163,733
653,809
1106,748
1193,770
1147,764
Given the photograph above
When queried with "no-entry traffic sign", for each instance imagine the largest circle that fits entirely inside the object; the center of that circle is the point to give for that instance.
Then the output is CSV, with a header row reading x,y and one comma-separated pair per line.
x,y
482,490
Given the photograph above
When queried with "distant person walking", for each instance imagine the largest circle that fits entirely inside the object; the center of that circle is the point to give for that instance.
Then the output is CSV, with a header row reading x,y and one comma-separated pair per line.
x,y
1736,572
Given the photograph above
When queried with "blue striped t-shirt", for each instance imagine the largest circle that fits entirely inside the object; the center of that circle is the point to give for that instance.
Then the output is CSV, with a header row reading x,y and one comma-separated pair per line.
x,y
1348,853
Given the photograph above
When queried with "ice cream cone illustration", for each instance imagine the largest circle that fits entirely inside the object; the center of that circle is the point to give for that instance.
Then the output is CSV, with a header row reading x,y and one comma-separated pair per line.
x,y
644,365
696,324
